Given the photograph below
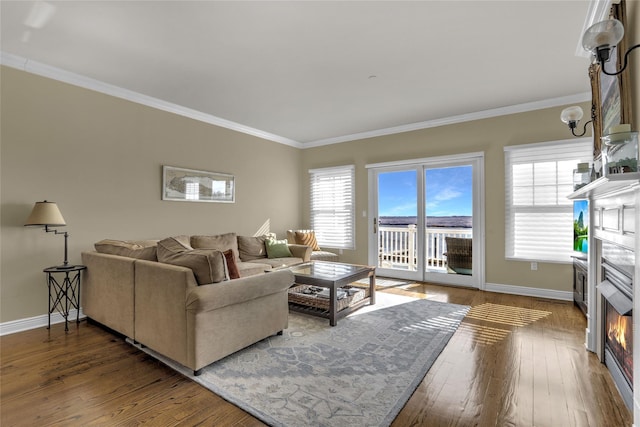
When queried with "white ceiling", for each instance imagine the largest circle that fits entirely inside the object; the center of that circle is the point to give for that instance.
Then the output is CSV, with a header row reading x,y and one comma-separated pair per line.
x,y
314,72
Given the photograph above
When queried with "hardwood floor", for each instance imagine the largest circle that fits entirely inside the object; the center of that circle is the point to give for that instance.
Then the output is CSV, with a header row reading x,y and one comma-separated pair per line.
x,y
514,361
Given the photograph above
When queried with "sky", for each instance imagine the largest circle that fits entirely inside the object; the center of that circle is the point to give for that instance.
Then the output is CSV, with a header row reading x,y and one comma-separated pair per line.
x,y
448,192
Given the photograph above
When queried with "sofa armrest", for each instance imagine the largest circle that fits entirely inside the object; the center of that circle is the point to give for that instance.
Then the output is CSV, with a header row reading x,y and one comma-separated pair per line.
x,y
160,315
218,295
301,251
108,291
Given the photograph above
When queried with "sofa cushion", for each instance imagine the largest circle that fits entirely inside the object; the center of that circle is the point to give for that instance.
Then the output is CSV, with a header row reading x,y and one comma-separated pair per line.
x,y
253,268
251,248
278,262
232,267
139,249
277,248
307,238
208,265
221,242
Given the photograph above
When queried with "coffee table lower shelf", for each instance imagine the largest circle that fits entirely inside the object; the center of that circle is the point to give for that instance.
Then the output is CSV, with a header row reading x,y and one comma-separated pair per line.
x,y
318,306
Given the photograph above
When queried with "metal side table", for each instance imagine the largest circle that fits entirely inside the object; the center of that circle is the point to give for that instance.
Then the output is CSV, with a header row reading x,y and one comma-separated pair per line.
x,y
64,291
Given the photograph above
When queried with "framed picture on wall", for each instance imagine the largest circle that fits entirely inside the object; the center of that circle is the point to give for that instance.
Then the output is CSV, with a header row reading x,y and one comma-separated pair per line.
x,y
610,94
610,104
197,186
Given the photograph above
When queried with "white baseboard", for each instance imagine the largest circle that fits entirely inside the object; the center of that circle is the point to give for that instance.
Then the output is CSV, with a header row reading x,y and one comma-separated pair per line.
x,y
529,292
20,325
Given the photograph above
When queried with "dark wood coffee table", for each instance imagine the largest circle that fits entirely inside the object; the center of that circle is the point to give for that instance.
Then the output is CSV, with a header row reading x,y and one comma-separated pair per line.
x,y
333,275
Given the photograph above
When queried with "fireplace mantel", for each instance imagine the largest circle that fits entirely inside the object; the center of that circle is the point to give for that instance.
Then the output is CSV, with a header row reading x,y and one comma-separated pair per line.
x,y
607,185
613,203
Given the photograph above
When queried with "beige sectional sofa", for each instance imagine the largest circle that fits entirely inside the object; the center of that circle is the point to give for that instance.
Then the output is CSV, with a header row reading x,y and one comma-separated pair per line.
x,y
173,309
307,237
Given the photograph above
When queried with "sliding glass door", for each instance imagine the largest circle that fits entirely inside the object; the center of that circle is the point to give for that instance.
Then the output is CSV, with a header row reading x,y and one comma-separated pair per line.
x,y
396,221
426,222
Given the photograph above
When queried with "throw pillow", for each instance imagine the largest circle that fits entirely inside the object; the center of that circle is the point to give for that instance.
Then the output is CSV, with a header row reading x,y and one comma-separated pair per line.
x,y
221,242
175,244
277,248
208,265
232,267
251,248
307,238
139,249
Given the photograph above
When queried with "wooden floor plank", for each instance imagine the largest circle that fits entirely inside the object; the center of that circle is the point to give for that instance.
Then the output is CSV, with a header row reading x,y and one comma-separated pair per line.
x,y
514,361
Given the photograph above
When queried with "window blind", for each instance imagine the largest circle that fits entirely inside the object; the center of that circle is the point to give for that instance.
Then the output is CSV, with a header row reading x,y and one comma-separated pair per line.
x,y
333,206
539,217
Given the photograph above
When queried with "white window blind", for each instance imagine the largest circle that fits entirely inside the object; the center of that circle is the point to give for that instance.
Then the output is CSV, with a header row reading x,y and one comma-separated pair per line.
x,y
333,206
539,217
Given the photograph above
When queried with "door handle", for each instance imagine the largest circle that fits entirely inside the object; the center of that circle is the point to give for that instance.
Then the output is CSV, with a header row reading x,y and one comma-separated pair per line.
x,y
375,225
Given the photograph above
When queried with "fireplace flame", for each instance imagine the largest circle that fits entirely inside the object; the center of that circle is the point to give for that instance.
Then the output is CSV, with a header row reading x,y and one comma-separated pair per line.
x,y
617,331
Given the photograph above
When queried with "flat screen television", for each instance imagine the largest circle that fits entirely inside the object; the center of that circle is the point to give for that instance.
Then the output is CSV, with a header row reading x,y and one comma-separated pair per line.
x,y
581,226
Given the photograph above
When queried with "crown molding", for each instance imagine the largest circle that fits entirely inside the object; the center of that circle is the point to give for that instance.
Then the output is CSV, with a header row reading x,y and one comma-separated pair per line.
x,y
486,114
54,73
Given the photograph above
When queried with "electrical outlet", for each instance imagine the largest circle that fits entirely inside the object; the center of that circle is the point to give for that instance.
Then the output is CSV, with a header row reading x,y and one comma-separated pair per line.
x,y
534,266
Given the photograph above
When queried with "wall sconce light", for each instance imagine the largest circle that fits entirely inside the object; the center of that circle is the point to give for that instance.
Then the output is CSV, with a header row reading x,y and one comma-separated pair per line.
x,y
48,215
601,38
572,115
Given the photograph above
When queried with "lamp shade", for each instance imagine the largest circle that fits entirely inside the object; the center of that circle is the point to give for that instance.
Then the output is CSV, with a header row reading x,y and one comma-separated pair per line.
x,y
45,214
571,114
603,34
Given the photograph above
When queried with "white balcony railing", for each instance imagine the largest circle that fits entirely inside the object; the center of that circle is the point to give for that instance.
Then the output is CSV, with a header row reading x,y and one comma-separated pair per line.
x,y
397,246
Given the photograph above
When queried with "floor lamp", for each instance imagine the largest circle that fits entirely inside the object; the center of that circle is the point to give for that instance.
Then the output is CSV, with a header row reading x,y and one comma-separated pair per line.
x,y
46,214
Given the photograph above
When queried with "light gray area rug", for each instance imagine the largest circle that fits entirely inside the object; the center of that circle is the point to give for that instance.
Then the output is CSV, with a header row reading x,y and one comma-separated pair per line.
x,y
358,373
383,282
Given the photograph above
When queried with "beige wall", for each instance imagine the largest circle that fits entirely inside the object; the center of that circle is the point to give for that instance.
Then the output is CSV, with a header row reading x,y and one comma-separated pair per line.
x,y
100,158
488,136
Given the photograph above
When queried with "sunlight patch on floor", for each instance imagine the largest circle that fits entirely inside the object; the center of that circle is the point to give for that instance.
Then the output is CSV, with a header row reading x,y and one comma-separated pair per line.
x,y
447,323
480,334
437,323
506,315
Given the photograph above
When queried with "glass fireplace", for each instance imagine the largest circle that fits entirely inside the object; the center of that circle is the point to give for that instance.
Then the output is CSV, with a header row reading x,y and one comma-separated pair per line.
x,y
616,289
619,340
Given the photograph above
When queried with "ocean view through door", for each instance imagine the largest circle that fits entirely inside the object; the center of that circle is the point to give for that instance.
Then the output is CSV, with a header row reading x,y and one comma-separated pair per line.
x,y
397,222
424,224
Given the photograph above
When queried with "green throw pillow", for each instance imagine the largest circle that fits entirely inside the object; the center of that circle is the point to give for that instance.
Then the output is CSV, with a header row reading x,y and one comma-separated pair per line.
x,y
277,248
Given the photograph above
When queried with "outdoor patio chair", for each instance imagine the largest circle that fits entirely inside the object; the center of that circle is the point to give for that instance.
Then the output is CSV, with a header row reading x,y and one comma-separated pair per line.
x,y
459,254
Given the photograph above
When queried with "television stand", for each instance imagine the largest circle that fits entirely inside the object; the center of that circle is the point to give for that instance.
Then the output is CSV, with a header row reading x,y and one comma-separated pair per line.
x,y
580,282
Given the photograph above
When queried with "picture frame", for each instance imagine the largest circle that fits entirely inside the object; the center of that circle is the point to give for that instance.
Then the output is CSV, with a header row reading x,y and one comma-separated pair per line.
x,y
190,185
611,102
